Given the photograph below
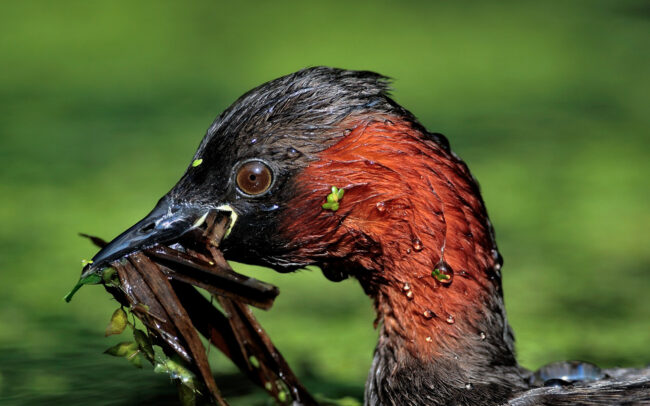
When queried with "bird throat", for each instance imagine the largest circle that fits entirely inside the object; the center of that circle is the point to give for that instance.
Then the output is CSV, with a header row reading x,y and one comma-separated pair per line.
x,y
413,229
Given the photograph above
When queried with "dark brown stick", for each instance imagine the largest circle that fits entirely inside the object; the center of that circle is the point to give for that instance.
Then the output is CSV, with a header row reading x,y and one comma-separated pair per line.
x,y
218,280
174,310
165,294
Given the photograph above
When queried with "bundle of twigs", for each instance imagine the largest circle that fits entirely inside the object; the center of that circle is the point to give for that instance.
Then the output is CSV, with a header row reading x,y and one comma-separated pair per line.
x,y
158,285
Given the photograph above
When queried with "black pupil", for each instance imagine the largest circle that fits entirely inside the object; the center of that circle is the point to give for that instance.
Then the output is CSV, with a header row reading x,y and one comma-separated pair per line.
x,y
254,178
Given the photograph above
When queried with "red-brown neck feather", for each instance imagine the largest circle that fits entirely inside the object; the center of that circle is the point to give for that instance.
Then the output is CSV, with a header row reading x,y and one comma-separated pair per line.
x,y
410,207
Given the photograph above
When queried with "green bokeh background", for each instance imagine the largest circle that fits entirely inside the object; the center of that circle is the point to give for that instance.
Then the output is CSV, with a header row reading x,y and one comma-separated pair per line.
x,y
103,104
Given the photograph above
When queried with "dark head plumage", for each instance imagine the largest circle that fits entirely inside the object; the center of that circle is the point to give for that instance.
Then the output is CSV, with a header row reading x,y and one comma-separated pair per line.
x,y
286,123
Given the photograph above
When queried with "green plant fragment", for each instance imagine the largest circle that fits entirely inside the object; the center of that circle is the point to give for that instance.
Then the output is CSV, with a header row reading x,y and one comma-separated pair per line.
x,y
186,395
135,359
331,206
333,199
253,361
177,371
118,323
123,349
197,162
91,279
144,343
109,277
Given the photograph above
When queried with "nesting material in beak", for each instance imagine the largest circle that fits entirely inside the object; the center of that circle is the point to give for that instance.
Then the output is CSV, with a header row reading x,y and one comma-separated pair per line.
x,y
156,283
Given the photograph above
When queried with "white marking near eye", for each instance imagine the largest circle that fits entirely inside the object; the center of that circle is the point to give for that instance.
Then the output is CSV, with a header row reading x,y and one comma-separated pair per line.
x,y
233,217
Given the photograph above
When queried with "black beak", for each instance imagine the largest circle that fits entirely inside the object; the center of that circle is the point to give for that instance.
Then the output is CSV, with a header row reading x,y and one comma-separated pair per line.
x,y
168,221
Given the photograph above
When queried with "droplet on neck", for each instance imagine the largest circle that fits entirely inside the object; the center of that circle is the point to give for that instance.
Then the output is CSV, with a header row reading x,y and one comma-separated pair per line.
x,y
428,339
450,319
493,274
406,288
408,250
443,273
293,153
381,207
428,314
482,336
417,244
498,259
468,386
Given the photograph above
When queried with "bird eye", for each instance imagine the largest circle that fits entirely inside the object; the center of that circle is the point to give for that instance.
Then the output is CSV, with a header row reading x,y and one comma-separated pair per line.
x,y
254,178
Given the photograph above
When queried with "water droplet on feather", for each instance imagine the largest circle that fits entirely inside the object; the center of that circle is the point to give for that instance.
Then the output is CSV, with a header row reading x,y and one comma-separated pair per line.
x,y
443,273
468,386
498,259
428,339
569,371
493,274
450,319
482,335
417,244
406,288
428,314
293,153
381,207
463,274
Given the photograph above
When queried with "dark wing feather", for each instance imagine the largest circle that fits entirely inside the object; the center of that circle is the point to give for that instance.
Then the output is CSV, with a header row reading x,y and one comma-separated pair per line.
x,y
622,387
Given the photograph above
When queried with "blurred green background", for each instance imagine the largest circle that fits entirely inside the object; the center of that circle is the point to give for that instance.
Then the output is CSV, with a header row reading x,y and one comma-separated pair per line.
x,y
104,103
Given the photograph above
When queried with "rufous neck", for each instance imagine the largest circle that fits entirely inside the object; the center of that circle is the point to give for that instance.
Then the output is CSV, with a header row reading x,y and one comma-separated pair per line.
x,y
441,343
412,227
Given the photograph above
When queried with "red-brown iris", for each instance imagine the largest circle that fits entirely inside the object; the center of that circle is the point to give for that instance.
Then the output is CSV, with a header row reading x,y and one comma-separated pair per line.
x,y
254,178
